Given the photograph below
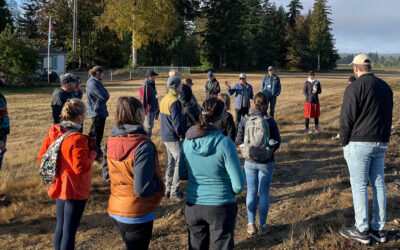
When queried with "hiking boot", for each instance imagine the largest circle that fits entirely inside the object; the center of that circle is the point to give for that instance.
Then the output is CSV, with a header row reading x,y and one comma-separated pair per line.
x,y
316,130
178,197
251,229
5,203
379,236
354,234
264,230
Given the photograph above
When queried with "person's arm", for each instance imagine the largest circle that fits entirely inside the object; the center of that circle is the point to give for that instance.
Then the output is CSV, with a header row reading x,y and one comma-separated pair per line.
x,y
278,86
240,133
251,93
348,114
319,89
79,94
262,84
146,184
177,118
183,165
145,96
232,90
233,166
217,88
231,128
82,157
305,90
100,92
104,167
274,133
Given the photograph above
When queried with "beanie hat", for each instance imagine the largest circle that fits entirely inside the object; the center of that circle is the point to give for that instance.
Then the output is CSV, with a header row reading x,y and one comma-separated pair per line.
x,y
173,82
210,74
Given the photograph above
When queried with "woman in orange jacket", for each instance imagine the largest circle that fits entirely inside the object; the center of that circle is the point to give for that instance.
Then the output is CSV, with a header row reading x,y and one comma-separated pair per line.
x,y
131,165
72,186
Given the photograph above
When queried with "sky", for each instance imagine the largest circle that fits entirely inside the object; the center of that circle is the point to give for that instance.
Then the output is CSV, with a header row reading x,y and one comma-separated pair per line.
x,y
362,25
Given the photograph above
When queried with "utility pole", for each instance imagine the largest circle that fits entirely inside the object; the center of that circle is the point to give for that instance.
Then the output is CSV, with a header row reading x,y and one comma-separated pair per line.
x,y
74,31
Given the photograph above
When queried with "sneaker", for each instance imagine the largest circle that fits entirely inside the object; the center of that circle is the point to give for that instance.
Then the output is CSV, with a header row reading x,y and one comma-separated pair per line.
x,y
354,234
379,236
264,230
178,197
251,229
316,130
308,131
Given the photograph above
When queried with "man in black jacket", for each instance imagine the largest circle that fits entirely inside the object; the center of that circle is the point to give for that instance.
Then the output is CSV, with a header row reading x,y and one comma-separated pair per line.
x,y
365,126
62,94
4,128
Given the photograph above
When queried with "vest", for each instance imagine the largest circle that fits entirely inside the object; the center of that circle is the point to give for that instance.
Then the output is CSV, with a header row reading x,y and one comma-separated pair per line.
x,y
123,199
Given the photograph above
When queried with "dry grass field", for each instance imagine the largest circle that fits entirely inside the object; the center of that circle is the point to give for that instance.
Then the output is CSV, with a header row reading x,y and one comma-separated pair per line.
x,y
310,194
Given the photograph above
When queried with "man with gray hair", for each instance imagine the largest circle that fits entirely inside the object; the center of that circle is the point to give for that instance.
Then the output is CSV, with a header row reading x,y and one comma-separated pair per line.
x,y
271,87
62,94
365,126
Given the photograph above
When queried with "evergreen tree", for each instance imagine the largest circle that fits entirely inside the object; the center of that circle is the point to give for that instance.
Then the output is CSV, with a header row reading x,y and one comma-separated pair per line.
x,y
28,22
295,7
5,15
321,40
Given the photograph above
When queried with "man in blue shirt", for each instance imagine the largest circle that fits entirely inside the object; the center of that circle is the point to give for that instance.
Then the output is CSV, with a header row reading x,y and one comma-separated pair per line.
x,y
271,87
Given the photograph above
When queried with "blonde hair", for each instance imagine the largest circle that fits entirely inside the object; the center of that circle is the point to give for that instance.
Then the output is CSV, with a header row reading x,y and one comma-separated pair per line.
x,y
72,109
173,72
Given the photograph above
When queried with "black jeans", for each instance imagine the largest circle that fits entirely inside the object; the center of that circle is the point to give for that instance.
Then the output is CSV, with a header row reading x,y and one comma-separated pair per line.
x,y
271,104
69,213
239,114
307,122
135,236
211,226
98,129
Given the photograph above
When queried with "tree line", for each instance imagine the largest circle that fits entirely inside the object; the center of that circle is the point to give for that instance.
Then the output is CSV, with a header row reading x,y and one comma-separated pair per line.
x,y
208,34
390,60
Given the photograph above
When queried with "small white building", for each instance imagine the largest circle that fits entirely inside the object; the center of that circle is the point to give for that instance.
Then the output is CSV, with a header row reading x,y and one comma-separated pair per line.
x,y
57,60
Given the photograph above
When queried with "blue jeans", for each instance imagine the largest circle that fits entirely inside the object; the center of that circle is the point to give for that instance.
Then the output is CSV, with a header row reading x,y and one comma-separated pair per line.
x,y
258,178
366,163
271,104
4,151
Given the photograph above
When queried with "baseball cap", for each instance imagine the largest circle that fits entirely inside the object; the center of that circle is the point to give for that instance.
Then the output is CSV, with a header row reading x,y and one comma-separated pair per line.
x,y
210,74
361,59
173,82
68,78
242,75
270,68
151,73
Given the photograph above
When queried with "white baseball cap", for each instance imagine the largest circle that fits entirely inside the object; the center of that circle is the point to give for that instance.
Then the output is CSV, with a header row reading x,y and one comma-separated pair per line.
x,y
361,59
242,75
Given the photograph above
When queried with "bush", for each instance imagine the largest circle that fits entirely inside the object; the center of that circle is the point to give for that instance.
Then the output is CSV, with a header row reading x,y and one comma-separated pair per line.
x,y
18,59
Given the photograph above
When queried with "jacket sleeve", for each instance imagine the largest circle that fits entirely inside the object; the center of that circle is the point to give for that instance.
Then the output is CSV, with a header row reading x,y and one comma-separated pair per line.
x,y
146,183
319,88
104,167
233,166
45,145
348,114
231,128
274,133
178,119
100,92
278,87
262,84
305,91
240,133
183,163
145,97
82,157
217,88
80,94
232,90
251,92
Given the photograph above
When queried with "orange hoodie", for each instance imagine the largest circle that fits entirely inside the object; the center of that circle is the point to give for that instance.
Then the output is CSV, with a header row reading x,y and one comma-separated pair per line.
x,y
73,165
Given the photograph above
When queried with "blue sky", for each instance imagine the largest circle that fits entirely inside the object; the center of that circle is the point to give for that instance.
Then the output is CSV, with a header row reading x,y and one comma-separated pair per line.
x,y
362,25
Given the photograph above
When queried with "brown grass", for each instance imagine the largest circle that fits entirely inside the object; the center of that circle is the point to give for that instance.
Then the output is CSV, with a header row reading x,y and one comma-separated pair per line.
x,y
310,194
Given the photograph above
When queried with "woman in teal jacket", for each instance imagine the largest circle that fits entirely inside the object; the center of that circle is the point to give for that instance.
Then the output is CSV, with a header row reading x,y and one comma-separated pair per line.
x,y
210,163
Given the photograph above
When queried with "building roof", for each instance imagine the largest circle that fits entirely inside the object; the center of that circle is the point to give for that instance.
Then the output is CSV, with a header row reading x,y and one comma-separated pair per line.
x,y
43,51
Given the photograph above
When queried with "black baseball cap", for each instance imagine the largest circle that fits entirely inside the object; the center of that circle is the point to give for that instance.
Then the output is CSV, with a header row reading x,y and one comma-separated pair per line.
x,y
151,73
68,78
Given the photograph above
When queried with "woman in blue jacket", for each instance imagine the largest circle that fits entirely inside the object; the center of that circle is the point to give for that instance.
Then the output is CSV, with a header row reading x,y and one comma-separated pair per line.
x,y
210,163
259,174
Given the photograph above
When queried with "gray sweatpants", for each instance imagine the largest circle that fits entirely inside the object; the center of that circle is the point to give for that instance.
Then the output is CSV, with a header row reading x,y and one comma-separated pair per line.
x,y
172,181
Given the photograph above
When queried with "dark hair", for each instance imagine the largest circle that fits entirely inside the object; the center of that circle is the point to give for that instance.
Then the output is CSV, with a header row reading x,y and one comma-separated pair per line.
x,y
127,107
93,71
261,101
226,99
363,67
188,81
212,109
311,73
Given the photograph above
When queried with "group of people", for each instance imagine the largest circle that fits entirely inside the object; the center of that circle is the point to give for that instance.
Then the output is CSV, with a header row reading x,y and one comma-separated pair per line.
x,y
204,156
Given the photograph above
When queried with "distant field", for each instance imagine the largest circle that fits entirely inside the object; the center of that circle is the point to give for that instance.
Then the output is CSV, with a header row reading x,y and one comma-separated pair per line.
x,y
310,194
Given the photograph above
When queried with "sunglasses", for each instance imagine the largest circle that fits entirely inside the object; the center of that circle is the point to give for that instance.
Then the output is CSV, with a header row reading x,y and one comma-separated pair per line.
x,y
242,78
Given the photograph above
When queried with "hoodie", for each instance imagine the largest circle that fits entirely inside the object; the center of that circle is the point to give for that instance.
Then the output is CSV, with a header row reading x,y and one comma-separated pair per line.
x,y
212,167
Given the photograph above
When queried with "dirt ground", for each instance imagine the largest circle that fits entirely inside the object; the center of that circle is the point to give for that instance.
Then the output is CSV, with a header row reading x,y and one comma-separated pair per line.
x,y
310,194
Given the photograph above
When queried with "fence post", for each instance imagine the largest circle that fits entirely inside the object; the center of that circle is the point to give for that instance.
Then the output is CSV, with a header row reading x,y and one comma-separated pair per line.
x,y
130,74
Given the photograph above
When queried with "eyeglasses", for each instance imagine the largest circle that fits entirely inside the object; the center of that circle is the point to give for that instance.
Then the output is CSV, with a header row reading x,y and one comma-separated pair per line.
x,y
242,78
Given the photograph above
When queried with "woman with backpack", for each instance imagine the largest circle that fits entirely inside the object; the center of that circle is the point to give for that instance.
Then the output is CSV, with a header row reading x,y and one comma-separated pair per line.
x,y
210,163
311,90
71,187
132,168
260,137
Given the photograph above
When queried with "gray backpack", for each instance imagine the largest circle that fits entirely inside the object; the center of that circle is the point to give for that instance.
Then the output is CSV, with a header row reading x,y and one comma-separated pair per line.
x,y
256,138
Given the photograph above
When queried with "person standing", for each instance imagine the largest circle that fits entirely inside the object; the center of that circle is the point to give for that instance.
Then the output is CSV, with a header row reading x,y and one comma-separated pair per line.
x,y
97,97
172,135
190,106
227,125
61,95
149,96
71,188
131,165
259,171
271,87
212,87
77,92
210,163
4,128
244,92
311,90
365,127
